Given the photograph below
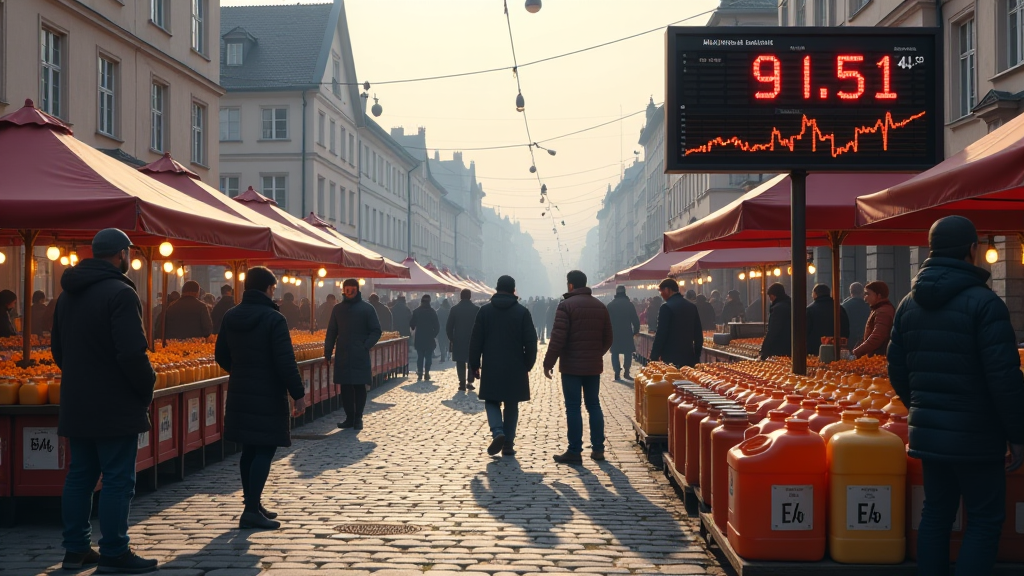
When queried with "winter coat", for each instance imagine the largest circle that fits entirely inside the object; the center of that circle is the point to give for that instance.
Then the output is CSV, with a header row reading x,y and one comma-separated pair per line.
x,y
188,317
255,348
442,320
425,322
653,309
99,344
291,313
680,339
821,322
625,324
778,340
732,309
539,312
217,314
351,333
383,315
953,361
41,320
858,311
581,335
505,337
400,317
718,306
707,314
459,329
877,330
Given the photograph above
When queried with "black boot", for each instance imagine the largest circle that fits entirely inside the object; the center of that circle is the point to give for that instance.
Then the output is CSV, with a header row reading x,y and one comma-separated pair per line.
x,y
255,519
127,563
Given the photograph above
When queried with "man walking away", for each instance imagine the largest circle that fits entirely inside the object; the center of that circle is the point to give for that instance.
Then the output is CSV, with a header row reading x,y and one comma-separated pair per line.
x,y
679,340
460,333
99,344
778,339
425,323
857,310
226,302
188,317
879,326
323,313
351,333
383,312
502,352
821,320
581,335
953,360
625,325
442,335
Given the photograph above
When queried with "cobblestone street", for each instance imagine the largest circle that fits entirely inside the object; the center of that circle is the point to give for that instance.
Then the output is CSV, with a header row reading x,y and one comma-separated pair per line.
x,y
421,460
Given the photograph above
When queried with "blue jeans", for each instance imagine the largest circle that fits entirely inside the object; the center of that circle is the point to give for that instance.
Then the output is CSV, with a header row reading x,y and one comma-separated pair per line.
x,y
500,425
424,356
983,488
115,459
586,389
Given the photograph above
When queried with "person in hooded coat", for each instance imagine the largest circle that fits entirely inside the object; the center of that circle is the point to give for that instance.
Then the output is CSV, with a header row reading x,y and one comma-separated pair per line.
x,y
733,307
707,313
255,348
625,325
8,300
716,302
778,340
352,331
821,320
400,317
383,312
442,336
424,321
503,350
459,329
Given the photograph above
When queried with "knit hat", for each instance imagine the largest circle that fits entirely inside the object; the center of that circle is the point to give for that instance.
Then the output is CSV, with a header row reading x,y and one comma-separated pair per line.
x,y
350,282
506,284
620,290
425,298
952,237
878,287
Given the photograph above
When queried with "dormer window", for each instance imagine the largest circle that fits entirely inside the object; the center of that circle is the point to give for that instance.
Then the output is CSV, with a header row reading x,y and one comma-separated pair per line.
x,y
234,53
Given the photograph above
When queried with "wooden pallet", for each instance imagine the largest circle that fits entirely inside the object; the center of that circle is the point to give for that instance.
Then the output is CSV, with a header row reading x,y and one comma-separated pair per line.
x,y
679,481
653,444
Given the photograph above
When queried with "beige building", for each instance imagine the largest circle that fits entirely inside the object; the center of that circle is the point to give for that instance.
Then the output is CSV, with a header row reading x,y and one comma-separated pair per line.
x,y
139,76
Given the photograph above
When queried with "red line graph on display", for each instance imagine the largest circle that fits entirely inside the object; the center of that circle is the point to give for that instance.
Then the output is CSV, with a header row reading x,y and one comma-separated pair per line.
x,y
882,125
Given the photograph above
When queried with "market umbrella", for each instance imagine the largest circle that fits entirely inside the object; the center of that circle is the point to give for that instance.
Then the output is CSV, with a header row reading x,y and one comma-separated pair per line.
x,y
420,280
735,258
386,268
655,268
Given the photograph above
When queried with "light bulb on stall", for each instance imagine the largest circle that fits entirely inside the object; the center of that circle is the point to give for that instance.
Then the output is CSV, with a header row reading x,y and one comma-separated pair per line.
x,y
700,281
709,278
322,272
362,282
168,267
777,272
789,270
811,269
73,258
228,274
743,276
181,271
52,253
298,281
64,261
3,257
136,264
991,255
284,279
166,249
241,276
320,284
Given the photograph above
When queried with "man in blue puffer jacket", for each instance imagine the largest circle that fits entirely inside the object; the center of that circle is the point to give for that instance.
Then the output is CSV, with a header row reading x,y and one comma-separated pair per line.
x,y
953,360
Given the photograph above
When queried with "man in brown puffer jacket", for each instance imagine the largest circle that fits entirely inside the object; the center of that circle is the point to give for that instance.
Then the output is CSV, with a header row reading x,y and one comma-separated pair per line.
x,y
581,336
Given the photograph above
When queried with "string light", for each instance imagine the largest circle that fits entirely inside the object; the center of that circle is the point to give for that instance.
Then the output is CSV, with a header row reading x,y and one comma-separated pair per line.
x,y
166,249
228,274
136,264
320,284
241,276
362,282
52,253
991,255
777,272
322,272
743,275
64,260
168,267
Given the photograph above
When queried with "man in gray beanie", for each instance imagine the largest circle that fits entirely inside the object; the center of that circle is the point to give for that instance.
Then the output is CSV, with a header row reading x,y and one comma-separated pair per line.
x,y
953,361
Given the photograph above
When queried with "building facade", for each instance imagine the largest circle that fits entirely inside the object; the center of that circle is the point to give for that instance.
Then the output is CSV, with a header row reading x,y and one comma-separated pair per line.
x,y
385,185
465,192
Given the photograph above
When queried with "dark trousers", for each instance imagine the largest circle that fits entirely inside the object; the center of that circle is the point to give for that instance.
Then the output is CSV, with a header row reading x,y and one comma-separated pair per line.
x,y
90,457
460,369
982,485
254,466
502,423
585,389
353,400
628,362
424,357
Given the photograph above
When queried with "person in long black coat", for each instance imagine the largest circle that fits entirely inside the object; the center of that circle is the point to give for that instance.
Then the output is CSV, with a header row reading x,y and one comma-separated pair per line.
x,y
460,332
352,331
778,338
324,311
502,352
821,321
549,322
255,348
401,316
625,325
425,323
383,312
442,336
733,307
539,311
679,340
226,302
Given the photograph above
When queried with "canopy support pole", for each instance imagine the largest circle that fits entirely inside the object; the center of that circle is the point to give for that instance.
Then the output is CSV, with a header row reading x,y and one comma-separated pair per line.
x,y
163,309
236,269
798,234
147,318
764,299
835,241
29,238
312,302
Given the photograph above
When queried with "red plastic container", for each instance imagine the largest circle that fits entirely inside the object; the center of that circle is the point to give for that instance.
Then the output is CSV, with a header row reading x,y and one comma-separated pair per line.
x,y
693,419
824,414
674,400
775,420
679,431
707,425
807,409
723,438
777,399
792,404
897,424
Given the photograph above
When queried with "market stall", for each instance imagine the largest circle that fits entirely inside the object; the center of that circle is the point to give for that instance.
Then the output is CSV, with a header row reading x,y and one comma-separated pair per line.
x,y
420,280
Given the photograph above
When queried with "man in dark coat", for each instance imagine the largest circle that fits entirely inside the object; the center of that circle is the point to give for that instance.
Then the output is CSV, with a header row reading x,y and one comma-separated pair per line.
x,y
291,312
425,323
255,348
549,321
733,307
226,302
323,312
41,320
858,311
99,344
778,339
505,336
625,325
442,336
679,340
351,333
189,317
953,360
652,315
400,317
459,329
581,336
821,321
706,312
383,312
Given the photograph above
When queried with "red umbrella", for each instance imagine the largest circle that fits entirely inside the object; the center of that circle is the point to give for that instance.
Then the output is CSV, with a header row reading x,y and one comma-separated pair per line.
x,y
420,280
387,269
655,268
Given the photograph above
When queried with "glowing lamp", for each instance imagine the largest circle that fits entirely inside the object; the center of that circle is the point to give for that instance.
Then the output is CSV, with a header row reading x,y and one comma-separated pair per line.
x,y
166,249
73,258
743,276
228,274
811,269
709,278
64,260
298,281
991,255
320,284
168,267
241,276
777,272
3,257
136,264
362,282
52,253
181,271
285,279
322,272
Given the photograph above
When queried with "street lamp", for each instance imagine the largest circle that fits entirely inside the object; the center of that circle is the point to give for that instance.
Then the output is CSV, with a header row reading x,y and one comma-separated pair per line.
x,y
520,102
533,6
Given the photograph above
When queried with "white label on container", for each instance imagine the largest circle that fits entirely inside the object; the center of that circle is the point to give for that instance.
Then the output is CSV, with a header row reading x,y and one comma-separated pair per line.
x,y
143,440
1019,518
41,449
166,426
193,415
917,508
868,507
211,408
793,507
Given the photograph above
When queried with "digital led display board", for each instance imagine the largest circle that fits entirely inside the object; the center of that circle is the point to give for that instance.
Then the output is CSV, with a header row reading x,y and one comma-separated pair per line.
x,y
816,99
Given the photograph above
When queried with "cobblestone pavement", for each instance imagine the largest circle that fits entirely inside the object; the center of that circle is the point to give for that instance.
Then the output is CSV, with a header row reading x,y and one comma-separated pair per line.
x,y
421,460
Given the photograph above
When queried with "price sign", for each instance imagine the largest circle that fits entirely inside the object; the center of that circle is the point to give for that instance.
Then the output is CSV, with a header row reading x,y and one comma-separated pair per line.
x,y
193,415
792,507
868,507
822,99
211,408
41,449
165,424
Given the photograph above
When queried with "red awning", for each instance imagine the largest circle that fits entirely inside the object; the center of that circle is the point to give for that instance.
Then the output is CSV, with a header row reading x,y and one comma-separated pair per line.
x,y
387,268
984,182
737,258
761,217
655,268
420,280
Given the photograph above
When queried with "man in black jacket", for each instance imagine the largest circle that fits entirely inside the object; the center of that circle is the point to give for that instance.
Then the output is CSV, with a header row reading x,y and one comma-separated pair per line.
x,y
226,302
324,311
351,333
189,317
821,320
953,361
383,312
505,337
679,340
625,325
99,343
778,340
290,310
460,333
425,323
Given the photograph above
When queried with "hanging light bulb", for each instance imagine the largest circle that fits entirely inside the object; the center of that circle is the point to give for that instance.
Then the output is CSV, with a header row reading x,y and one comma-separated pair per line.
x,y
700,281
168,267
991,255
543,189
3,257
811,269
376,109
73,258
362,282
53,253
533,6
285,279
320,284
181,271
777,272
298,281
228,274
533,169
136,264
682,282
64,260
322,272
520,102
241,276
709,278
789,270
743,276
166,249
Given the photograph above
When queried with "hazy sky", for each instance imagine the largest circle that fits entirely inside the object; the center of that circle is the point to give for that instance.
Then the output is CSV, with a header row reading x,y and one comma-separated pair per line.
x,y
400,39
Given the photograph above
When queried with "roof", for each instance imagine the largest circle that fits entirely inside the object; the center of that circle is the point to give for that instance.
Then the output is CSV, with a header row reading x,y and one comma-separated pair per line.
x,y
772,5
392,143
118,154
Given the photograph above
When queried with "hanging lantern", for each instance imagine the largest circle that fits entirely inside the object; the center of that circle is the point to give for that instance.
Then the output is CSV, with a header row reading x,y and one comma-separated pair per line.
x,y
362,282
743,276
168,267
241,276
53,253
228,274
166,249
64,260
520,102
322,272
136,264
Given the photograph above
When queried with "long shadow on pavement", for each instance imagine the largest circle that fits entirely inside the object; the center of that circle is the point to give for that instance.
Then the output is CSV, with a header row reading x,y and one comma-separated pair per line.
x,y
467,403
228,551
521,498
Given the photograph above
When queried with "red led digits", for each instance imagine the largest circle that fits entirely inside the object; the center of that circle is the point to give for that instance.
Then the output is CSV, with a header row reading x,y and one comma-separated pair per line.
x,y
807,77
850,75
775,78
886,94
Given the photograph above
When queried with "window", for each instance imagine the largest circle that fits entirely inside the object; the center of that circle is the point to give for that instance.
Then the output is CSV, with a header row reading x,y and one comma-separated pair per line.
x,y
230,124
856,5
321,119
784,13
343,151
365,227
351,207
801,12
198,129
158,12
234,54
52,72
332,201
1015,32
373,167
332,134
364,162
107,84
336,77
275,123
351,147
229,185
275,188
320,201
158,98
199,26
824,13
387,172
967,87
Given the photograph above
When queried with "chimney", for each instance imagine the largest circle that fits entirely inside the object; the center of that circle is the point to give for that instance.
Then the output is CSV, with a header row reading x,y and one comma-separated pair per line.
x,y
398,131
422,131
437,156
457,157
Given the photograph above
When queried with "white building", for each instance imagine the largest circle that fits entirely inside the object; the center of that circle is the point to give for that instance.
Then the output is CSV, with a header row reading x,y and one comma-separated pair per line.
x,y
385,187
